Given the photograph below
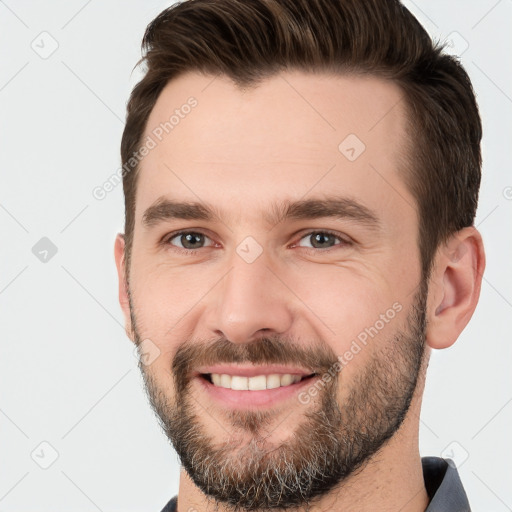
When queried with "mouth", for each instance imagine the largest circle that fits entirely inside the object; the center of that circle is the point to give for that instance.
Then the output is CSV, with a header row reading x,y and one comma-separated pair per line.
x,y
242,387
255,383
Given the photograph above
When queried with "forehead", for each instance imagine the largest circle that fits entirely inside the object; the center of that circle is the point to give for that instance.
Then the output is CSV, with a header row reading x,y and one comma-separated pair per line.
x,y
292,133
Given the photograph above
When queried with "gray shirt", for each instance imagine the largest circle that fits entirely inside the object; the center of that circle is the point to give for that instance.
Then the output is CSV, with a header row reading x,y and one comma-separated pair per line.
x,y
442,484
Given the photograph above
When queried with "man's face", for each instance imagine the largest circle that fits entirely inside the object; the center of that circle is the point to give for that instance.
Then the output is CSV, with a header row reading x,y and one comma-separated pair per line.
x,y
275,235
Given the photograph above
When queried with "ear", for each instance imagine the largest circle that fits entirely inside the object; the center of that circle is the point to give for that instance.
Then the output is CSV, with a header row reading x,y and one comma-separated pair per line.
x,y
123,285
454,287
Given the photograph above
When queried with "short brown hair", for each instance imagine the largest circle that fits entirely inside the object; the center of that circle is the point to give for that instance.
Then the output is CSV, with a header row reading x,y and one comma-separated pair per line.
x,y
249,41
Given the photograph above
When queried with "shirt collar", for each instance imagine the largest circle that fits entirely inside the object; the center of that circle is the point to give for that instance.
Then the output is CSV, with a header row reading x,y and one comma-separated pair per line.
x,y
443,485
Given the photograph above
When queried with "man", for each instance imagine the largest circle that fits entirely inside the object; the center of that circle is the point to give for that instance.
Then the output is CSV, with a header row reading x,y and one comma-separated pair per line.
x,y
301,179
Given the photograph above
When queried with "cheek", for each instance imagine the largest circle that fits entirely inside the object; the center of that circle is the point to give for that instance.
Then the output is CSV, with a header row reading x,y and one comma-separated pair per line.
x,y
345,300
171,304
165,298
357,315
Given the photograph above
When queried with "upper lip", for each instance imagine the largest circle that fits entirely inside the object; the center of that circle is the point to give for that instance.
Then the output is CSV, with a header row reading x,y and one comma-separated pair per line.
x,y
252,371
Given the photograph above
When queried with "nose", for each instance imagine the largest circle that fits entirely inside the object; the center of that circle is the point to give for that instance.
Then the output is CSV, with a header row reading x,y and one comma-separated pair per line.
x,y
250,302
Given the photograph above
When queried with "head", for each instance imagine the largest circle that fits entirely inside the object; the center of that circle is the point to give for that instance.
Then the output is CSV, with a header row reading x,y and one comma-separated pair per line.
x,y
301,180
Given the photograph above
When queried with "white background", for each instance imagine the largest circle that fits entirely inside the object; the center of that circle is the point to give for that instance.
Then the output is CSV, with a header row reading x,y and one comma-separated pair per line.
x,y
68,376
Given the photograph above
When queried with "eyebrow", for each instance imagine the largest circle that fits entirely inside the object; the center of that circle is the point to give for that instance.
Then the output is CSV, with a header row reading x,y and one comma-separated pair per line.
x,y
164,210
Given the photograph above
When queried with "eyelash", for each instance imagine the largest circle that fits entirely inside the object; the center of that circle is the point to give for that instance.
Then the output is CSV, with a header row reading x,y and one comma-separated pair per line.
x,y
344,242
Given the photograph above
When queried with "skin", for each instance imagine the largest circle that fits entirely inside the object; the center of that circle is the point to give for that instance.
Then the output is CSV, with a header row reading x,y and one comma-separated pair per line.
x,y
279,142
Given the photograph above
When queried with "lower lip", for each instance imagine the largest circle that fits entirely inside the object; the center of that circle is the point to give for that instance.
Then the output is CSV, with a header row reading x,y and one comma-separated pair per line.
x,y
246,398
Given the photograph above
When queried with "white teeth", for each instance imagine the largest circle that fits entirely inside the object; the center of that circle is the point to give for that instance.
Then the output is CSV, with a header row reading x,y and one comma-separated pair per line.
x,y
273,381
256,383
286,379
239,383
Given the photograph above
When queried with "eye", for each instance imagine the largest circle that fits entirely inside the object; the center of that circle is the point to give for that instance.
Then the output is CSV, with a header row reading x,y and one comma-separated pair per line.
x,y
321,240
188,240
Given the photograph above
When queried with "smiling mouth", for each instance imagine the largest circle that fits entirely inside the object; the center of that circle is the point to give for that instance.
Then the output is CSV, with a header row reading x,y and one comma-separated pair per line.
x,y
256,383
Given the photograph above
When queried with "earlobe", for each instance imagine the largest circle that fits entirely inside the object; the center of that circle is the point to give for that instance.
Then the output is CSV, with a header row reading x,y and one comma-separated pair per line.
x,y
454,287
119,255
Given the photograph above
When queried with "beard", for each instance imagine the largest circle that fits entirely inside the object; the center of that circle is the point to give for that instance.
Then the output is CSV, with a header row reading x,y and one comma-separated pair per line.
x,y
330,442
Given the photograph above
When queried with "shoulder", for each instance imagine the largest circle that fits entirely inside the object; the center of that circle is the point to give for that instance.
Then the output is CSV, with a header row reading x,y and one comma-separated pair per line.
x,y
171,506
